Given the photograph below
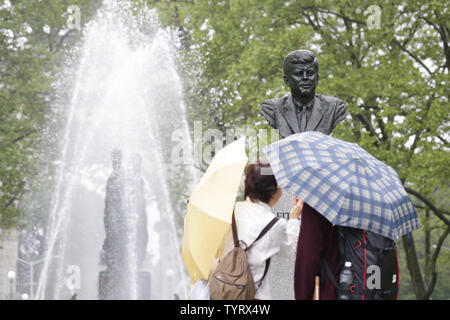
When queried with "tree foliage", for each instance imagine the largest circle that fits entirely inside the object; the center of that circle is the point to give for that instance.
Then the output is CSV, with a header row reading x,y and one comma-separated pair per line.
x,y
33,35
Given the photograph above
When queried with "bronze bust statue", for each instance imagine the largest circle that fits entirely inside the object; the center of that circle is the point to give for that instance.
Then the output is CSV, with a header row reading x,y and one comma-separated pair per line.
x,y
303,110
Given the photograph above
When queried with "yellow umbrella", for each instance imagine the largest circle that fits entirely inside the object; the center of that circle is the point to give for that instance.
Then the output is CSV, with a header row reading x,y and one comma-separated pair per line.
x,y
210,207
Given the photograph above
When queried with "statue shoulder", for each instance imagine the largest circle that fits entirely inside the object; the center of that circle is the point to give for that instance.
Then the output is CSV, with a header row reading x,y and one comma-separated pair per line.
x,y
335,108
269,109
330,100
274,102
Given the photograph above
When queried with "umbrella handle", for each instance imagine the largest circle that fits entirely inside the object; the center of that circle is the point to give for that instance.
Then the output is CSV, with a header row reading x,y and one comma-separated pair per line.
x,y
316,288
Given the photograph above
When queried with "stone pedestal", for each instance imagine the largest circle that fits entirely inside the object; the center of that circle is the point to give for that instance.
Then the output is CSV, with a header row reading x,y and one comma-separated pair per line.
x,y
114,286
282,269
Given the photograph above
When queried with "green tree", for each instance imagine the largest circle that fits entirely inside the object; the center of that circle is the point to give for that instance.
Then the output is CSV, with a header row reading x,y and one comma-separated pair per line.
x,y
33,35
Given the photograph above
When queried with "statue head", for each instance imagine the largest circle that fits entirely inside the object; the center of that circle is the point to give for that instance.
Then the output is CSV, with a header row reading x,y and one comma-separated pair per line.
x,y
136,162
301,74
116,157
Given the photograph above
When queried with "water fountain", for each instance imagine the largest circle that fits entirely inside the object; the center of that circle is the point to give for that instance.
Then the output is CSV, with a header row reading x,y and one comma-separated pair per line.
x,y
126,94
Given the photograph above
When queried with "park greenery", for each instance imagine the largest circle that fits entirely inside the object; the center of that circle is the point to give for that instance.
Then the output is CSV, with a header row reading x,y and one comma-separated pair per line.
x,y
388,61
33,36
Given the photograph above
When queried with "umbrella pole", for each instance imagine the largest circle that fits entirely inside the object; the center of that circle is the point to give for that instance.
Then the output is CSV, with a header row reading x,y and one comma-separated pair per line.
x,y
316,288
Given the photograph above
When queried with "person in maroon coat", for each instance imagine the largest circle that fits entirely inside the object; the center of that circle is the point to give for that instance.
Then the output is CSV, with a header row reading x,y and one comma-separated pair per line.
x,y
317,237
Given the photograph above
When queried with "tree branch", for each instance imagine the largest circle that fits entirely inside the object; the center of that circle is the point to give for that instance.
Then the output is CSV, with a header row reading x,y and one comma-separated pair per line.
x,y
413,145
411,34
367,124
412,263
443,140
311,23
443,34
21,137
384,135
430,286
342,16
424,207
412,55
435,210
61,40
10,202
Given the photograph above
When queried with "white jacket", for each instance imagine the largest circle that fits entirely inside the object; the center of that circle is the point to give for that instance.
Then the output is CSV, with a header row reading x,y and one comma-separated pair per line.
x,y
251,218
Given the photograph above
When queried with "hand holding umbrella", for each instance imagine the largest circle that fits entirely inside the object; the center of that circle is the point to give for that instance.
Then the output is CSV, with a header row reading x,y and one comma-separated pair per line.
x,y
296,210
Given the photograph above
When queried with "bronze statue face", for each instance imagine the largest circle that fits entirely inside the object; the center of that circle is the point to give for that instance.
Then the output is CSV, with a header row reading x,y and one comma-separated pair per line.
x,y
302,78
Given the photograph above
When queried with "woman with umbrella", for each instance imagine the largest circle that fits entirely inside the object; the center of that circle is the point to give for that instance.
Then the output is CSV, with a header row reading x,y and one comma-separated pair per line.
x,y
207,228
253,215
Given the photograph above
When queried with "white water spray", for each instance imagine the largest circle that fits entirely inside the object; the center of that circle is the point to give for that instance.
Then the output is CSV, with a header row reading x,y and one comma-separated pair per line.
x,y
127,95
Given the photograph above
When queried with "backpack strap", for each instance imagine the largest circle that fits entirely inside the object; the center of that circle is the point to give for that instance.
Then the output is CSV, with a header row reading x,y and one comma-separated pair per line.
x,y
264,231
261,234
265,272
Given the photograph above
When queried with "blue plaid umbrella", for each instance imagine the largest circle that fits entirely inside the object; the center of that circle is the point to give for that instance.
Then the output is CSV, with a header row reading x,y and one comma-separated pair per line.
x,y
344,183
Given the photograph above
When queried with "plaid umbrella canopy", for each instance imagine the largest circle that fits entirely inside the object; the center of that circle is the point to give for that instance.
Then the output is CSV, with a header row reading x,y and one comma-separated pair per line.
x,y
344,183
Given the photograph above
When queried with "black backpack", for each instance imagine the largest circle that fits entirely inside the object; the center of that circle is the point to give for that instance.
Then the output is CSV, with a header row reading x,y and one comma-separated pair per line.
x,y
374,265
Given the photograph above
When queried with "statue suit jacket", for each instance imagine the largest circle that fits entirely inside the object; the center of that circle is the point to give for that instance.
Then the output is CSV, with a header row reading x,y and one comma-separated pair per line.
x,y
327,112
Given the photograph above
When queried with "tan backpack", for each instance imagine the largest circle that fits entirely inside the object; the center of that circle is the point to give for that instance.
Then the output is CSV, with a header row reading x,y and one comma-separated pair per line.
x,y
232,279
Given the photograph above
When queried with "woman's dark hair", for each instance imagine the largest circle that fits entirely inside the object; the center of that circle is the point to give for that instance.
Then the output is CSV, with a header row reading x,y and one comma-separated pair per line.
x,y
260,187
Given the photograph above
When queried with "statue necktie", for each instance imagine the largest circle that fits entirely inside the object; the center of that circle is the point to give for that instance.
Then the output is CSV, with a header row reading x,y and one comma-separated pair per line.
x,y
303,119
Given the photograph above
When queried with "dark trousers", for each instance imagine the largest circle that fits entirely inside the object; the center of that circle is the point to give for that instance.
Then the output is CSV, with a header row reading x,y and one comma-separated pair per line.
x,y
317,237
